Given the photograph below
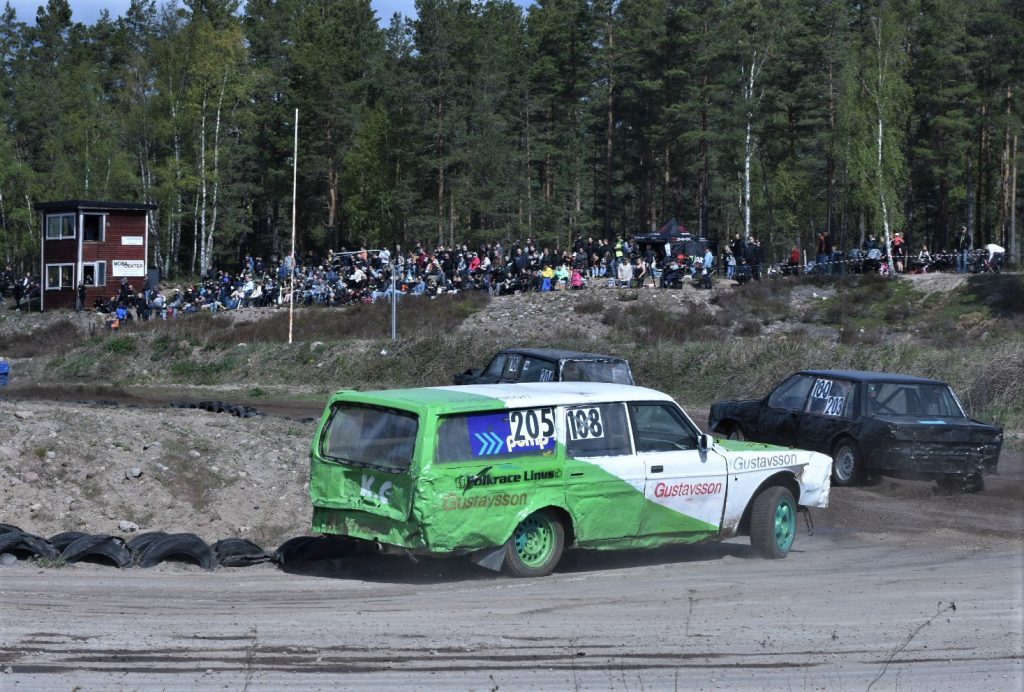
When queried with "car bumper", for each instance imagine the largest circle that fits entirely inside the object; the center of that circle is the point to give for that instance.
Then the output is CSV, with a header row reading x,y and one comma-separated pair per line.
x,y
936,459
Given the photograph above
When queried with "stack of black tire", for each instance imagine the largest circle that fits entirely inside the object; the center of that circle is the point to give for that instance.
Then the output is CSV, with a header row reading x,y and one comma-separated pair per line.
x,y
144,550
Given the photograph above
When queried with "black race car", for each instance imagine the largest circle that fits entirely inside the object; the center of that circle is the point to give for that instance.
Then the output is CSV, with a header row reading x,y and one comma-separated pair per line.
x,y
549,365
871,423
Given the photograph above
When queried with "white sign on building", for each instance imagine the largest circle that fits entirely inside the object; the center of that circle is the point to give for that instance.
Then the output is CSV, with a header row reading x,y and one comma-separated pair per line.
x,y
128,268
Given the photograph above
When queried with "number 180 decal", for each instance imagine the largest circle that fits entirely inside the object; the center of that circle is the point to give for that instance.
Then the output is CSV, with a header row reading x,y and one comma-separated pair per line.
x,y
584,423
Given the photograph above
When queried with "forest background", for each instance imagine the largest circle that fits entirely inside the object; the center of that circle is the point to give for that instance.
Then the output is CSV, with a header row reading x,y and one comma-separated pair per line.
x,y
482,122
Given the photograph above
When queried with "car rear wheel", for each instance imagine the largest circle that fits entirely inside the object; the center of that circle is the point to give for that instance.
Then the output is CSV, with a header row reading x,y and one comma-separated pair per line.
x,y
535,546
958,483
846,464
773,522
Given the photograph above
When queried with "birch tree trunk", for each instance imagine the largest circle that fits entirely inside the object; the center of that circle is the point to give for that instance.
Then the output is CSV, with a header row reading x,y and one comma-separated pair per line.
x,y
749,143
174,249
203,266
208,249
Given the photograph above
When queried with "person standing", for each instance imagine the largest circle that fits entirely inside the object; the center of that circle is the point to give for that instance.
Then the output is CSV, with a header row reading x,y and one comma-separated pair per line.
x,y
963,251
823,254
20,286
899,252
80,297
754,255
709,262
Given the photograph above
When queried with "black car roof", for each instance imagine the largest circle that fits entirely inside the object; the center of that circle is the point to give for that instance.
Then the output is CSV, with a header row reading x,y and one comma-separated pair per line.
x,y
560,354
869,376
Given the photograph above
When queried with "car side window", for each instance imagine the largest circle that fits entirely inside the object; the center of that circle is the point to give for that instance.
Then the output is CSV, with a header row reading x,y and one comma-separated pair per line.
x,y
512,365
536,370
596,431
661,428
792,394
496,436
831,397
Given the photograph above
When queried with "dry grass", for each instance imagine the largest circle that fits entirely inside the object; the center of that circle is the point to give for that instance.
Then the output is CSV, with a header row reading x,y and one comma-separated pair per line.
x,y
656,326
360,321
58,337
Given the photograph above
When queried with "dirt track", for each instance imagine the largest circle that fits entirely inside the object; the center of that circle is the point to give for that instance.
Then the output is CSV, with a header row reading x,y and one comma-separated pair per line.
x,y
866,602
841,612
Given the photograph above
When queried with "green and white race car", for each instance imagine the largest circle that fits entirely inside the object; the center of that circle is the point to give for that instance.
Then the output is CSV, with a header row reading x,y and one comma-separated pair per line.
x,y
513,474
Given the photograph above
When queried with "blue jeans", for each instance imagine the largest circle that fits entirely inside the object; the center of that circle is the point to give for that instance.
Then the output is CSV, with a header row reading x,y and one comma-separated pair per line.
x,y
963,261
823,265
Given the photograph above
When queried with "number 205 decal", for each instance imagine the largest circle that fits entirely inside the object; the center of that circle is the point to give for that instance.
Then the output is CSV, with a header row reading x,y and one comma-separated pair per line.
x,y
584,424
531,428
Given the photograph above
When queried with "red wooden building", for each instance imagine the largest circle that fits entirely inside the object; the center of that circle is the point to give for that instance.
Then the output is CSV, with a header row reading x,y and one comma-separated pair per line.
x,y
91,243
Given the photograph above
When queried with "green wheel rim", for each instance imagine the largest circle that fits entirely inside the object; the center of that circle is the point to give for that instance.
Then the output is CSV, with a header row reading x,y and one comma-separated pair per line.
x,y
785,524
535,541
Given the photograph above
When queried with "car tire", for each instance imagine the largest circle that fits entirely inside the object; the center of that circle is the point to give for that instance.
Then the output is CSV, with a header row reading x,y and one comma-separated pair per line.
x,y
535,546
736,433
846,463
186,547
958,483
773,522
974,483
107,549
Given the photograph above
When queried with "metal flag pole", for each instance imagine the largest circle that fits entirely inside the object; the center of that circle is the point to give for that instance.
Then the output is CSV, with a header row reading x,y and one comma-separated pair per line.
x,y
295,178
394,301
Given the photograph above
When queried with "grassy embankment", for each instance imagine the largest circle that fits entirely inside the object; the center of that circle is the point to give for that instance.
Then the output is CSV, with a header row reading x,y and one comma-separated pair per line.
x,y
972,337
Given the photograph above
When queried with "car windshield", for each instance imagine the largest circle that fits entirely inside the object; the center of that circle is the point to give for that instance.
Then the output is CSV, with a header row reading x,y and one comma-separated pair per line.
x,y
369,436
496,365
912,400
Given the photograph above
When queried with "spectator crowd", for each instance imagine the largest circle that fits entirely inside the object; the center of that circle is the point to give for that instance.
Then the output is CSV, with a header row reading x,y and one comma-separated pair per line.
x,y
367,275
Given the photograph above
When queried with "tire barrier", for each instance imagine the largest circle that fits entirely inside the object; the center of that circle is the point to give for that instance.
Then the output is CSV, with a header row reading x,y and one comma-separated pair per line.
x,y
154,547
104,549
239,552
219,407
305,549
25,545
60,541
187,547
139,544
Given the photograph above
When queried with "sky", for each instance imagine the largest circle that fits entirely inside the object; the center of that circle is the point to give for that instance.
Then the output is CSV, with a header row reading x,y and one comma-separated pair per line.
x,y
88,11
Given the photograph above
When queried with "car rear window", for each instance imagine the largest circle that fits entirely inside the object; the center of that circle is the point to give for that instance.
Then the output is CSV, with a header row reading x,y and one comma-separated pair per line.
x,y
368,436
912,400
596,371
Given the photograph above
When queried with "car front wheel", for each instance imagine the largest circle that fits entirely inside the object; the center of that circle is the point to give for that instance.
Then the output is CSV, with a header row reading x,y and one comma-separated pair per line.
x,y
535,546
846,464
736,433
773,522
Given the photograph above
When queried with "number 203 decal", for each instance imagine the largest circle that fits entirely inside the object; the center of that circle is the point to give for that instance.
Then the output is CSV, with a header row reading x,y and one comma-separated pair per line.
x,y
584,423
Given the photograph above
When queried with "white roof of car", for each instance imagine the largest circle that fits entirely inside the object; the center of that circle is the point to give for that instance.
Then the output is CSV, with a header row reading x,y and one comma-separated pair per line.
x,y
560,393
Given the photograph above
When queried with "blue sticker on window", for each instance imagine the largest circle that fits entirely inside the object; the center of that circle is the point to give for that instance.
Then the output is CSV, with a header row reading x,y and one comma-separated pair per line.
x,y
524,430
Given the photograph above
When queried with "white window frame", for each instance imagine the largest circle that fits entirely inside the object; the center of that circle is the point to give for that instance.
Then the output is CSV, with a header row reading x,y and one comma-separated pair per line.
x,y
49,287
102,227
102,273
60,233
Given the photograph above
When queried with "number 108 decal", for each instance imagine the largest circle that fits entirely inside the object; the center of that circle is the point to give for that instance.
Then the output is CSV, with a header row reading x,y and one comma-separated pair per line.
x,y
584,423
